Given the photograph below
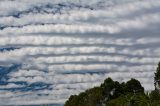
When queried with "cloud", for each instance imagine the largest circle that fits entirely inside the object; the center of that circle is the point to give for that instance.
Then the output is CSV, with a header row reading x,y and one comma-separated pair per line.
x,y
57,40
111,28
11,85
67,46
41,40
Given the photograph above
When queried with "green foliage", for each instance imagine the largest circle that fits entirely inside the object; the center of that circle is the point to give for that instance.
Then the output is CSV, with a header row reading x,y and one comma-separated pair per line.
x,y
111,89
73,101
130,100
113,93
157,77
94,96
134,86
155,97
91,97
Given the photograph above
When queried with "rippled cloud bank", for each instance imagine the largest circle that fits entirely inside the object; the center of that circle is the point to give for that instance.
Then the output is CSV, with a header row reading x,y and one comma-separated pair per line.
x,y
50,49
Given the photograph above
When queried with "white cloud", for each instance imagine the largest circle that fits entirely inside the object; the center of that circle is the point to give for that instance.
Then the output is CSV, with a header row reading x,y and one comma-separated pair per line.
x,y
11,85
75,47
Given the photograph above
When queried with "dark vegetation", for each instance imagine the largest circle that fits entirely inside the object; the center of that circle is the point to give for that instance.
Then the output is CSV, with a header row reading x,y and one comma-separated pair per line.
x,y
113,93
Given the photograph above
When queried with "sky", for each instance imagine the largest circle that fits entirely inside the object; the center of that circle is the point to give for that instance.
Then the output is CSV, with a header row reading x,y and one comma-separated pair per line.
x,y
51,49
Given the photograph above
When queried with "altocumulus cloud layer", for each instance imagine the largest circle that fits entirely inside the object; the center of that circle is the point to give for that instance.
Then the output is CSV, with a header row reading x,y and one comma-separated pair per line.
x,y
50,49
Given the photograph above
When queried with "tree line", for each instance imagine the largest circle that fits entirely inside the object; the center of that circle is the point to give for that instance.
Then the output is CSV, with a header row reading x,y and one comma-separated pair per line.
x,y
113,93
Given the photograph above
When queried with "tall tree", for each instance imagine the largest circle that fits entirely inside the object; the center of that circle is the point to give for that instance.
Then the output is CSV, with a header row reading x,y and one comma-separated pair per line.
x,y
134,86
157,77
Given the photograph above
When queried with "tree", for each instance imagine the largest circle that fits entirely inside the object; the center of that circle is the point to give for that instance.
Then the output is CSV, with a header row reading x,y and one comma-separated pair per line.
x,y
110,89
72,101
157,77
155,95
111,93
154,98
134,86
94,96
